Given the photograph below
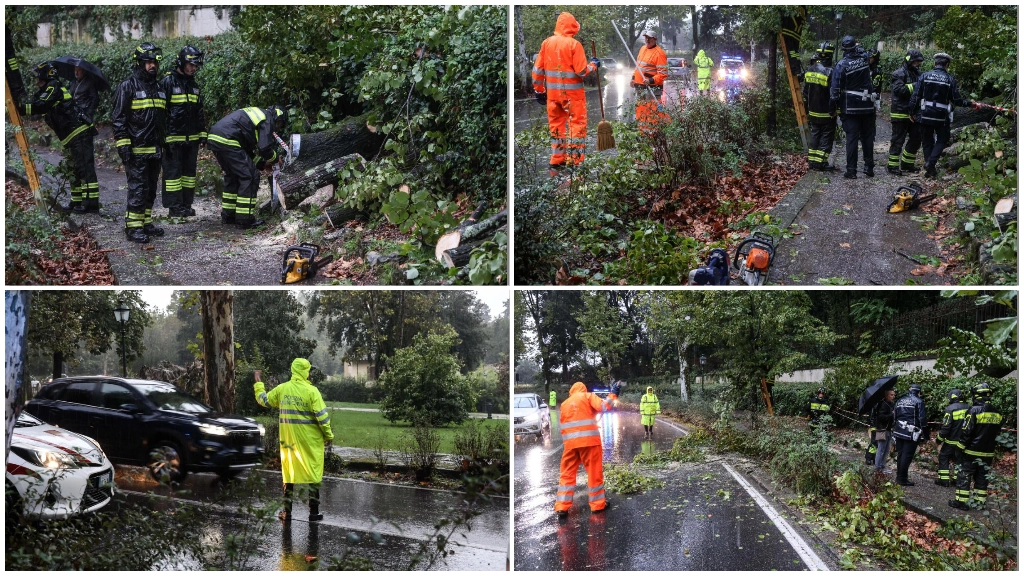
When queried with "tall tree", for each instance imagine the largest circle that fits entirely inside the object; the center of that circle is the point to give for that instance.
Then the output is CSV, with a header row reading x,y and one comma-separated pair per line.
x,y
16,310
499,339
271,321
219,348
185,307
602,329
685,318
464,312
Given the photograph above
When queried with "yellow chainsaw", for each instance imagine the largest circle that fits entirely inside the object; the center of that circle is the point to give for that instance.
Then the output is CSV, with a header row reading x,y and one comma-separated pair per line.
x,y
907,198
300,263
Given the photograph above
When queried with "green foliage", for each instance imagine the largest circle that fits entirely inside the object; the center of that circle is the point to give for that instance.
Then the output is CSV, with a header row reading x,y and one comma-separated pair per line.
x,y
267,322
344,389
488,263
423,383
542,224
847,378
626,479
688,448
482,445
800,458
656,255
422,445
984,45
27,233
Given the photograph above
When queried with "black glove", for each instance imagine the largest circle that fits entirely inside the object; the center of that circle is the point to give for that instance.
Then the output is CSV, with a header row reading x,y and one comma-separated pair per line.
x,y
596,62
649,81
542,98
125,152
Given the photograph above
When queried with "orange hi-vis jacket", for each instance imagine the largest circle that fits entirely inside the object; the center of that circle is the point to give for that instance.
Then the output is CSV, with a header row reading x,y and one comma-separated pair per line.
x,y
654,64
578,418
561,63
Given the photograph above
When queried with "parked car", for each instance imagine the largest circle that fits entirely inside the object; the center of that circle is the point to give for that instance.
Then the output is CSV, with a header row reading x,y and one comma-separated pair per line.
x,y
54,473
732,71
600,389
151,423
530,415
677,69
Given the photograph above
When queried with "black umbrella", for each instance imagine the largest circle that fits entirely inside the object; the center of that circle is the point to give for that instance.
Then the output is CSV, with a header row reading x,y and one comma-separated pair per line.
x,y
65,66
873,394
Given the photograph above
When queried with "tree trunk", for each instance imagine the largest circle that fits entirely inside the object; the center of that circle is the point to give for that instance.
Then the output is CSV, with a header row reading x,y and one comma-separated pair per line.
x,y
524,59
350,136
773,82
298,184
58,364
696,34
459,256
338,215
219,348
470,230
684,393
16,304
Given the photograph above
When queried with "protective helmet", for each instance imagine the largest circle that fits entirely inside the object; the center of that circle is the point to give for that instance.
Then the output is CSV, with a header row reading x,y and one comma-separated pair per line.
x,y
827,49
147,52
943,59
650,32
874,54
954,395
915,56
45,71
849,42
190,54
817,57
280,115
821,390
982,391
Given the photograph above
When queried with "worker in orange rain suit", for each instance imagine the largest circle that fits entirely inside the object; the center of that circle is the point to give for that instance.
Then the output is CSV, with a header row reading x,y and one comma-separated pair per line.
x,y
558,82
647,80
581,443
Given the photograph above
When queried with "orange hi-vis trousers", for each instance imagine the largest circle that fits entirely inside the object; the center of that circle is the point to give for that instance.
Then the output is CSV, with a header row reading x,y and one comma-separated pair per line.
x,y
648,117
590,457
567,143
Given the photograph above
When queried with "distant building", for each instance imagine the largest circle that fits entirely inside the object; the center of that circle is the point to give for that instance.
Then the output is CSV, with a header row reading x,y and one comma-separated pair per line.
x,y
171,23
361,370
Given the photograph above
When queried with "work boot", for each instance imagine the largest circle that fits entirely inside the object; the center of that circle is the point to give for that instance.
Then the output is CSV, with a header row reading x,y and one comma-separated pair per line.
x,y
905,483
869,171
895,171
79,209
911,169
930,172
825,167
191,211
227,218
178,213
562,514
314,511
945,483
153,230
958,505
850,175
136,235
250,224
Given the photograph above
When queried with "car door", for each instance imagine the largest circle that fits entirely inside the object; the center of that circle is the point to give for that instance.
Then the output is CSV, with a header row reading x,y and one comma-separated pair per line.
x,y
74,407
115,428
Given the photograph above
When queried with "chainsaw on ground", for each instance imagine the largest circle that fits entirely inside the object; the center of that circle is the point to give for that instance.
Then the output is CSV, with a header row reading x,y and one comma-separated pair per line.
x,y
715,273
907,198
300,263
757,253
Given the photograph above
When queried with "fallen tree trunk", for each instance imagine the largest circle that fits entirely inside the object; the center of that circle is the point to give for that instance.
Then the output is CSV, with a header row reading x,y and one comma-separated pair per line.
x,y
469,230
297,186
459,256
351,136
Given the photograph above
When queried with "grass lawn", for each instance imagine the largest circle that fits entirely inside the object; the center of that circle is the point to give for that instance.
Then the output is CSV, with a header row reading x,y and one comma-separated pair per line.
x,y
360,429
351,405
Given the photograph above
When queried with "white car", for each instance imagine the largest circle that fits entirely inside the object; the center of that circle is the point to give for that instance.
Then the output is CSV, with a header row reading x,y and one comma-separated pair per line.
x,y
530,415
53,473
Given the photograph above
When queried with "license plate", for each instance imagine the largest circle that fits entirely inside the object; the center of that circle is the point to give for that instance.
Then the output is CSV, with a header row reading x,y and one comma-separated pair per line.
x,y
107,480
248,449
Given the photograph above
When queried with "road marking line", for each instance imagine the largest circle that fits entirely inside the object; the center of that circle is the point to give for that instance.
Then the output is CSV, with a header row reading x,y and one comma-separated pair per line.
x,y
667,423
802,548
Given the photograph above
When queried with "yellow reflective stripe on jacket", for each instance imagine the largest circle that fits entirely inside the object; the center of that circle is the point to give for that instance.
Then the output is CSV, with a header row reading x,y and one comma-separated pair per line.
x,y
13,63
184,138
184,98
819,407
173,139
144,103
144,149
74,133
896,116
255,114
223,140
989,418
816,78
123,142
818,114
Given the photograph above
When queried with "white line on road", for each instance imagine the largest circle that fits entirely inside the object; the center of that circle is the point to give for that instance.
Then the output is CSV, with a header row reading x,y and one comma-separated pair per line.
x,y
803,549
667,423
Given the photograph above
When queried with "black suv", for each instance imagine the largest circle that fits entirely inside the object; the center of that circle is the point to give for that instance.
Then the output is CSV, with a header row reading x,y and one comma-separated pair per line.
x,y
151,423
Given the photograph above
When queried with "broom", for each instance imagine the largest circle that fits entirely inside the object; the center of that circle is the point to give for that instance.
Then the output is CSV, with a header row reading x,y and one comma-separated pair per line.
x,y
605,138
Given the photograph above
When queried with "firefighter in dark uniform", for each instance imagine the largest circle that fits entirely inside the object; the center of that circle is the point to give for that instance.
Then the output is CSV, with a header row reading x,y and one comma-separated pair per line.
x,y
949,436
935,95
138,122
910,429
186,130
978,437
817,83
819,408
874,56
851,95
86,98
55,103
243,143
792,27
902,159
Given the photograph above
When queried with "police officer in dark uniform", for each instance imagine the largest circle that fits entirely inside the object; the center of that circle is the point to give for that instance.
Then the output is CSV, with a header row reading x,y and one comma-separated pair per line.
x,y
978,436
138,122
243,143
186,130
903,78
817,83
851,95
949,436
85,98
935,95
910,429
55,103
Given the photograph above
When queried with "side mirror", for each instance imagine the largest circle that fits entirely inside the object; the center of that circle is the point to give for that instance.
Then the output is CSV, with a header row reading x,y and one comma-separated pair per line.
x,y
130,408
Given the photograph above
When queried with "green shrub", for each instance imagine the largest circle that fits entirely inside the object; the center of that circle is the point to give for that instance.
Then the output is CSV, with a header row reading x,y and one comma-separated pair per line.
x,y
27,232
656,255
625,479
422,444
343,389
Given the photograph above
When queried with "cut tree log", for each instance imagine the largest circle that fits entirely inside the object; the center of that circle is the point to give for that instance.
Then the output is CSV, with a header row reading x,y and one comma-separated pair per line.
x,y
459,256
351,136
339,214
468,230
297,186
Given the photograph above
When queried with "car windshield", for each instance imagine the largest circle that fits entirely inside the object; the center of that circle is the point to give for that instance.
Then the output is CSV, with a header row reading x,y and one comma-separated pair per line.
x,y
26,420
732,64
526,402
675,62
167,397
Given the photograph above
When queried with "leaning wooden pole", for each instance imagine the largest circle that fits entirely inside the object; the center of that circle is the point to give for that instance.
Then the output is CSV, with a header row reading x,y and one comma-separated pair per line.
x,y
798,97
19,135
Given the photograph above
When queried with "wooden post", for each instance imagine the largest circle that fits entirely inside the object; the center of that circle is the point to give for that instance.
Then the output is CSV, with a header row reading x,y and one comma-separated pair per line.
x,y
767,396
798,98
19,135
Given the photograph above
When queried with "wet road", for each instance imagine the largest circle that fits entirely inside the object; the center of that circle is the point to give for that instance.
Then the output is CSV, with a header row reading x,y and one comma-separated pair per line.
x,y
404,515
703,519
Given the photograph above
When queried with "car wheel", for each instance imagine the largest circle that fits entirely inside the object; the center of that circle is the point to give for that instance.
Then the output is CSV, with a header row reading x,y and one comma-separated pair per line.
x,y
228,475
166,464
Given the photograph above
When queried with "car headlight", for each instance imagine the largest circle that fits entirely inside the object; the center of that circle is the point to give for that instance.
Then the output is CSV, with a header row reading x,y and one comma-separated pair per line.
x,y
744,73
213,429
45,458
262,429
721,74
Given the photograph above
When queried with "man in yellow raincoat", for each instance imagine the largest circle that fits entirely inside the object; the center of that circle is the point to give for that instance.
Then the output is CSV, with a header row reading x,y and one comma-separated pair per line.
x,y
704,65
649,406
305,429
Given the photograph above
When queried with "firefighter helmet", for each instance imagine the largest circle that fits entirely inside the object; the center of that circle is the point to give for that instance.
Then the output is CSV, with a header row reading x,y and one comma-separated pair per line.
x,y
280,114
147,52
849,43
190,54
827,49
874,55
954,395
45,71
982,392
914,56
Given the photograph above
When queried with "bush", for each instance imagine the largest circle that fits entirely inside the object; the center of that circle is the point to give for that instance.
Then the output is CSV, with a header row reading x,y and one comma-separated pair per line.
x,y
421,450
801,459
27,232
342,389
423,383
482,445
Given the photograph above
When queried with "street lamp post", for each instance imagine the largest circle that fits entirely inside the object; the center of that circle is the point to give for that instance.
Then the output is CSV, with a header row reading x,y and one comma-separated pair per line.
x,y
703,360
121,315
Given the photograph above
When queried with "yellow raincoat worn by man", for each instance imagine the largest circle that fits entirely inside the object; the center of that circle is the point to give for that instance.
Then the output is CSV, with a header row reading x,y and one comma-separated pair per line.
x,y
704,65
305,428
649,407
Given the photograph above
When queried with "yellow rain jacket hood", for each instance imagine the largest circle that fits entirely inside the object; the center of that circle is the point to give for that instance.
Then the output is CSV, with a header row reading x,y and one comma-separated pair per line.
x,y
305,425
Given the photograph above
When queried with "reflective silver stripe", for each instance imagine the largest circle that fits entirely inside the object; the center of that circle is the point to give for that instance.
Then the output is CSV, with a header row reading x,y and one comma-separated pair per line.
x,y
926,103
583,434
566,87
321,413
865,94
538,71
299,412
263,399
291,421
564,497
596,489
554,74
578,423
596,496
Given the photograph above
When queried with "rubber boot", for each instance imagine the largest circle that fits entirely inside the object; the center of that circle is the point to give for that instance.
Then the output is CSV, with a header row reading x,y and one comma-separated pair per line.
x,y
314,506
136,235
153,230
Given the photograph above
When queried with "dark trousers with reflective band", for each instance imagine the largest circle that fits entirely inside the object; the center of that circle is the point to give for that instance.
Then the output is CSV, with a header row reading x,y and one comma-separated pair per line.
x,y
241,181
859,128
974,468
869,454
820,147
905,450
903,130
85,189
933,140
314,497
143,178
949,455
180,174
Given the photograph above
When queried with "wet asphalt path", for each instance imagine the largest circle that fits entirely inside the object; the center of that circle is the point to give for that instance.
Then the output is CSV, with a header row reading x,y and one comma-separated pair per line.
x,y
404,515
703,519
